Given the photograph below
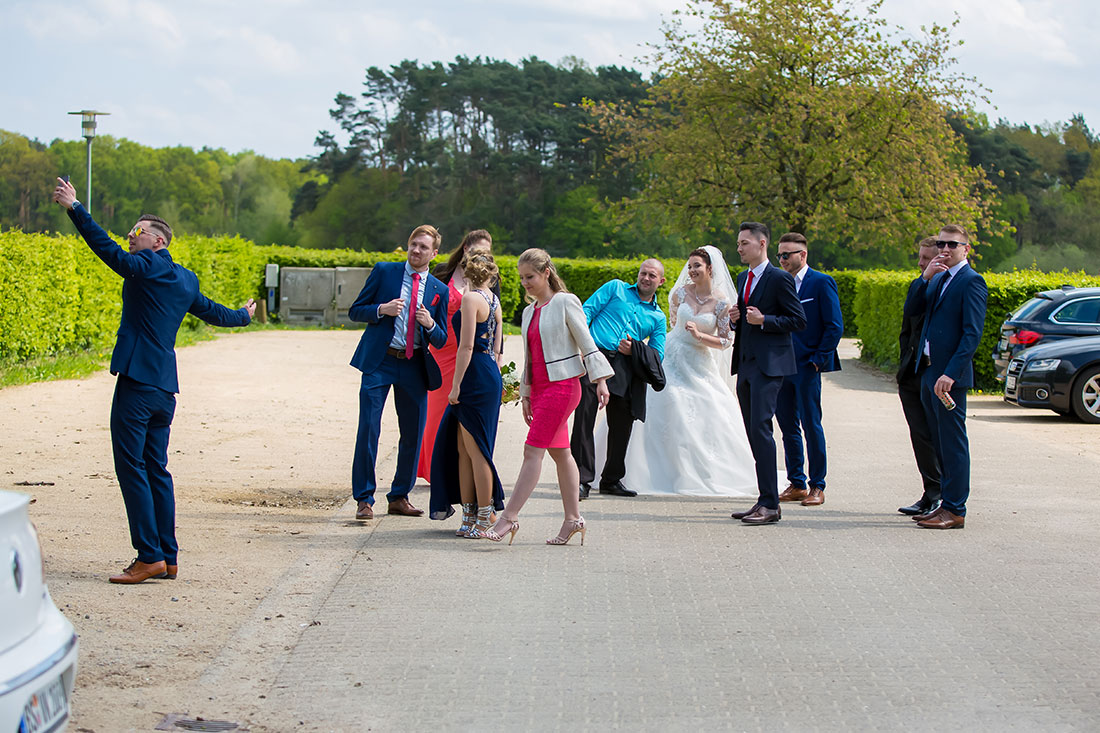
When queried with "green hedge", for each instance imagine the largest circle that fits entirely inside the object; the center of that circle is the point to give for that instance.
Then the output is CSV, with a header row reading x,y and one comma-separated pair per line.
x,y
58,296
880,296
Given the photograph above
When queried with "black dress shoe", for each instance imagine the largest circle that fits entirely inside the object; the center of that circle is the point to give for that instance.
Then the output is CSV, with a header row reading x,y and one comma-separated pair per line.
x,y
918,507
585,490
617,489
763,515
742,515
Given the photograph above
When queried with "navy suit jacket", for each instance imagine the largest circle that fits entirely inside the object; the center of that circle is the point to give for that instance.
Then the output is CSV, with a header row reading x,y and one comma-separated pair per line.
x,y
769,343
953,324
816,344
156,295
382,286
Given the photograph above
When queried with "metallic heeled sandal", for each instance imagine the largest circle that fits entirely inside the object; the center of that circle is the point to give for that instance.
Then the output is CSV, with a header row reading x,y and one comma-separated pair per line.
x,y
573,526
468,516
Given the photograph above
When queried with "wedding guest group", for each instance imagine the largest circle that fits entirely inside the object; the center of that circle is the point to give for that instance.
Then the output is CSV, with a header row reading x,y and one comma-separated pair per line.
x,y
954,304
156,295
558,349
462,461
798,406
405,309
629,328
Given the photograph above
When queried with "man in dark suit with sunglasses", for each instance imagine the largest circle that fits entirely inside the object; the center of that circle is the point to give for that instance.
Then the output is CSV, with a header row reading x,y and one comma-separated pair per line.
x,y
953,323
156,295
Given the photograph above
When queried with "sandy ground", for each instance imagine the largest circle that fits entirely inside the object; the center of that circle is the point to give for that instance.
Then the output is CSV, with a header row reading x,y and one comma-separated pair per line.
x,y
261,454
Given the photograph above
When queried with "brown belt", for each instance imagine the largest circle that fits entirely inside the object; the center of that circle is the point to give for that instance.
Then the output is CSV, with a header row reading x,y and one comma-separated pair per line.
x,y
398,353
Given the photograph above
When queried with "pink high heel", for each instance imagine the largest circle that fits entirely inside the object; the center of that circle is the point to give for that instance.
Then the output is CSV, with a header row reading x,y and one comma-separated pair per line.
x,y
495,536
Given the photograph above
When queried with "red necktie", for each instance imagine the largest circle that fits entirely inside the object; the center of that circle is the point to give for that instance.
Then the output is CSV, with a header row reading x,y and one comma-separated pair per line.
x,y
410,332
748,287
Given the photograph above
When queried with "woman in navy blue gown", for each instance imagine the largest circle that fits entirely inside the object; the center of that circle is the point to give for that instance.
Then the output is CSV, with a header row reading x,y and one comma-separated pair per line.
x,y
462,459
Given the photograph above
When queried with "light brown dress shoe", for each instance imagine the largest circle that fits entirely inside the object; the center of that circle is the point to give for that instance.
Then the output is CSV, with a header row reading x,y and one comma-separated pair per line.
x,y
943,520
364,511
171,571
403,508
139,572
794,494
816,498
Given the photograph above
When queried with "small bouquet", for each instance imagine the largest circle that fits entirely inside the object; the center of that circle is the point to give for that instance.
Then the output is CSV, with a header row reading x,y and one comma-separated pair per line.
x,y
510,392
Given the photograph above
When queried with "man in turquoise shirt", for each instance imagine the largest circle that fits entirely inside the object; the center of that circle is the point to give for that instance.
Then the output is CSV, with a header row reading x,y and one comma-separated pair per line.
x,y
618,315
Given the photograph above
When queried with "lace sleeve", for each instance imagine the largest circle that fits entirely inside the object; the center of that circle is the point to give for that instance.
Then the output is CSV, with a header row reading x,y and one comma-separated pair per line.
x,y
722,311
674,300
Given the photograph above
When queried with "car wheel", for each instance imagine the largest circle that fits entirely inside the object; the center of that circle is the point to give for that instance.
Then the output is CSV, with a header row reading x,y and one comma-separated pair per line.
x,y
1086,396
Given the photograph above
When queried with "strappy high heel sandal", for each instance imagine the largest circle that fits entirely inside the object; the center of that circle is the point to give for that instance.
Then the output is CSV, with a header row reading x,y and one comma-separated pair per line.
x,y
572,526
483,524
495,536
468,516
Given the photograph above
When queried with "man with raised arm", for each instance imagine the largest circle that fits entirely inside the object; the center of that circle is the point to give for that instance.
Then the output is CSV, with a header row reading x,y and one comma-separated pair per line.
x,y
156,294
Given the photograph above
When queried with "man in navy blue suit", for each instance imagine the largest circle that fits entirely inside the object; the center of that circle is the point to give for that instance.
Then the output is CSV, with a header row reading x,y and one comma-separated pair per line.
x,y
953,322
767,313
156,295
798,408
405,309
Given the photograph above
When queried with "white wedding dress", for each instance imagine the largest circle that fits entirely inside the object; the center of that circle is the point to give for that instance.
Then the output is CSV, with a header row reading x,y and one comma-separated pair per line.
x,y
693,440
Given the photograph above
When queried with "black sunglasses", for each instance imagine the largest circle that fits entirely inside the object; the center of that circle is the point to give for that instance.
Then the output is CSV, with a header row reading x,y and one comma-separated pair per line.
x,y
949,244
785,255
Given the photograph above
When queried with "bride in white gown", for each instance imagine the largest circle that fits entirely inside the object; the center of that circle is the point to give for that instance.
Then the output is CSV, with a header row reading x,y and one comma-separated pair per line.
x,y
693,440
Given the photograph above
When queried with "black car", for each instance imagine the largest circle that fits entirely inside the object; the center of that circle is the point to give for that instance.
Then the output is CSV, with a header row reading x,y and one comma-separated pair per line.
x,y
1063,376
1051,315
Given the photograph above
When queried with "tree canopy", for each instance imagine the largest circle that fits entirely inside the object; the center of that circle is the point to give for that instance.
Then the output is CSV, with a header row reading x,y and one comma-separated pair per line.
x,y
812,115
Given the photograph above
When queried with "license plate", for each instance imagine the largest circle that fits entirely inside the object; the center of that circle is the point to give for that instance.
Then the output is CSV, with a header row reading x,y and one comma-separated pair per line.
x,y
45,708
1010,383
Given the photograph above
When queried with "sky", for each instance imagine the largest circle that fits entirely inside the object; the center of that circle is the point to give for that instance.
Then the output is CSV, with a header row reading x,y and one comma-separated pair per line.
x,y
261,75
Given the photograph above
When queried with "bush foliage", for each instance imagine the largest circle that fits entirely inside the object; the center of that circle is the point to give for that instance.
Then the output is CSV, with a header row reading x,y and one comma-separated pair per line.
x,y
59,297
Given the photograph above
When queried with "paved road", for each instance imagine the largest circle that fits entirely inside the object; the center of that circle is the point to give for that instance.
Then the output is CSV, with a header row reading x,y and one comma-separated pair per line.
x,y
674,617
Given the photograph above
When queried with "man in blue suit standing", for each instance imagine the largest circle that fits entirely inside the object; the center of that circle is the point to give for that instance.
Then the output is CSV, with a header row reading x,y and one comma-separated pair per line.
x,y
798,409
156,295
405,309
767,313
953,323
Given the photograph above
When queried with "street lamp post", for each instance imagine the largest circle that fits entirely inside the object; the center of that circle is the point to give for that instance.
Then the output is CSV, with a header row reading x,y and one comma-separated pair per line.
x,y
87,129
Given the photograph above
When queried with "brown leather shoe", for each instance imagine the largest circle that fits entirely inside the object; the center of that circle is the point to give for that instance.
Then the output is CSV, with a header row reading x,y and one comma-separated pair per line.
x,y
138,572
816,498
928,515
794,494
403,508
364,511
943,520
742,515
171,571
763,515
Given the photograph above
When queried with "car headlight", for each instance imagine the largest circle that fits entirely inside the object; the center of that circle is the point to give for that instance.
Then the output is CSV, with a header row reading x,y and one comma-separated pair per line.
x,y
1042,365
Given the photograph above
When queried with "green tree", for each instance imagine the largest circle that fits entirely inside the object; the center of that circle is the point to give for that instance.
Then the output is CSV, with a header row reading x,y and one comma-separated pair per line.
x,y
807,114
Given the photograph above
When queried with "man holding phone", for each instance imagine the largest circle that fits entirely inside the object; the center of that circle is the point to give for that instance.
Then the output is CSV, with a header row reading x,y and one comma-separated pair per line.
x,y
953,322
156,294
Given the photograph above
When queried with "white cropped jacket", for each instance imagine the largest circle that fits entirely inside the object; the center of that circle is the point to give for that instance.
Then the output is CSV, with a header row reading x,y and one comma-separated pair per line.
x,y
567,344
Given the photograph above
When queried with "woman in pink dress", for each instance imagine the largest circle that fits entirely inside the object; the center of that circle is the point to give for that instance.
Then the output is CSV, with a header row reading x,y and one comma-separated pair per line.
x,y
558,350
452,274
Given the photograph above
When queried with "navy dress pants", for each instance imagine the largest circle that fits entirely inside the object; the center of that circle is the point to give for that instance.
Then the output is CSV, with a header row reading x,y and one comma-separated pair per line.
x,y
757,393
410,397
798,412
141,418
948,429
